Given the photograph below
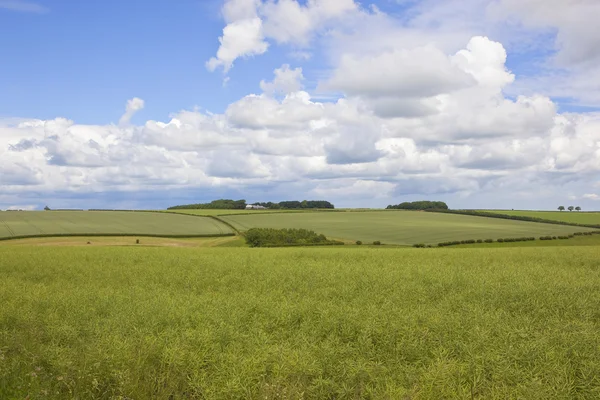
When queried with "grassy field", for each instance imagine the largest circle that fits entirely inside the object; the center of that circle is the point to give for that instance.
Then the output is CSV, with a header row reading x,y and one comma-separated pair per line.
x,y
347,323
400,227
592,218
29,223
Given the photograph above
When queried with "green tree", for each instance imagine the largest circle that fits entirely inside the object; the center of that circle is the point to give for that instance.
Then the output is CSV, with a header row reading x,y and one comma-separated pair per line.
x,y
46,208
577,208
561,208
571,208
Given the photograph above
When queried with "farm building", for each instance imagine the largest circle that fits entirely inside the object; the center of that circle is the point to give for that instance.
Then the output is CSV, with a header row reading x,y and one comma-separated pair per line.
x,y
255,207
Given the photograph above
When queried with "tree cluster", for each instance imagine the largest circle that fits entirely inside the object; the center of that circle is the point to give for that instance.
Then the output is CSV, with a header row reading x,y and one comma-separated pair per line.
x,y
292,205
269,237
571,208
419,205
221,204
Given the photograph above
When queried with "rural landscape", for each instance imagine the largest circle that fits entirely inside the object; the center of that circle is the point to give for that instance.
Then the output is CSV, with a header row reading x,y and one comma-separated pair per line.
x,y
300,200
409,302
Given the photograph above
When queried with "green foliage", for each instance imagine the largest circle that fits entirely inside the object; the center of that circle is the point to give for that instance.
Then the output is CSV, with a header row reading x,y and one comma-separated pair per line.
x,y
306,204
377,243
358,242
359,323
419,205
222,204
571,208
561,208
268,237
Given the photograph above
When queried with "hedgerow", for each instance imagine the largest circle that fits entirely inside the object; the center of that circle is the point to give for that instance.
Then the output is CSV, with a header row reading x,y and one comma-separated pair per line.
x,y
486,214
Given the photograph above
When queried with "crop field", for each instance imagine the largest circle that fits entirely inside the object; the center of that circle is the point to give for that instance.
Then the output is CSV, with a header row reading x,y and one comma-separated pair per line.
x,y
591,218
353,323
33,223
400,227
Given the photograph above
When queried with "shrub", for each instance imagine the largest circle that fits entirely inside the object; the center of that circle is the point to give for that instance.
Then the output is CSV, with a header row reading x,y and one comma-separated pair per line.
x,y
377,243
500,240
489,240
419,245
358,242
268,237
479,241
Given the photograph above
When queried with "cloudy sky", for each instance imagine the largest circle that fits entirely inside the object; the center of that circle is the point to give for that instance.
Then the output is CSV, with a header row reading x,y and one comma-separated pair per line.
x,y
147,104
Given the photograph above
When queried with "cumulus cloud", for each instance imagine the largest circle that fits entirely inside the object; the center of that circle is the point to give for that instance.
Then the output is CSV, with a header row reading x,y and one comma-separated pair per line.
x,y
134,105
250,23
397,130
286,81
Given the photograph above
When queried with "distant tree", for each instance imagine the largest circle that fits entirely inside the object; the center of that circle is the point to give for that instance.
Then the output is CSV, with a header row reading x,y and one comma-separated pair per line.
x,y
577,208
46,208
561,208
571,208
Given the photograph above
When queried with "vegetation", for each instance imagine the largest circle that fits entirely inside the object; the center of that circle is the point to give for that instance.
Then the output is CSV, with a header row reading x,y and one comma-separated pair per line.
x,y
107,223
222,204
299,323
580,218
419,205
225,204
399,228
269,237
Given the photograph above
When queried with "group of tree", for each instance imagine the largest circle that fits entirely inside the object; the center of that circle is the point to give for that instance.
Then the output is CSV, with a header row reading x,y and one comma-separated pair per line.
x,y
221,204
226,204
571,208
419,205
291,205
269,237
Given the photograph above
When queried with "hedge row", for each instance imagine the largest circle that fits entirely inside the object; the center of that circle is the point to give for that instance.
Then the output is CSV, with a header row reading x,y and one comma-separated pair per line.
x,y
511,240
513,217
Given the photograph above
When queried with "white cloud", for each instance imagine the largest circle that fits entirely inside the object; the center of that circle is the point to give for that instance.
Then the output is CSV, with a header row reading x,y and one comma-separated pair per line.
x,y
251,22
286,81
242,38
134,105
591,196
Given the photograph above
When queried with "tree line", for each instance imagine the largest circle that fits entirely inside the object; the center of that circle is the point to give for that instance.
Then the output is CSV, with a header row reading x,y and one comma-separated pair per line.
x,y
419,205
227,204
571,208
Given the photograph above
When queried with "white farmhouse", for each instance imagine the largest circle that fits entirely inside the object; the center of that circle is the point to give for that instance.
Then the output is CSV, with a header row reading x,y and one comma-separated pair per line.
x,y
254,207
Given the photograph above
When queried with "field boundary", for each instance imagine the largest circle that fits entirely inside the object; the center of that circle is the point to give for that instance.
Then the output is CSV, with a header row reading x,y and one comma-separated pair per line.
x,y
58,235
485,214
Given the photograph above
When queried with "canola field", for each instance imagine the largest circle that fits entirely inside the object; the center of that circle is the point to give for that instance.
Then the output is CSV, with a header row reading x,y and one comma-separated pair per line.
x,y
317,323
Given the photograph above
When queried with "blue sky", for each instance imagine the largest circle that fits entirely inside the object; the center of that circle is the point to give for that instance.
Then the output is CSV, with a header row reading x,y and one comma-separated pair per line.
x,y
480,102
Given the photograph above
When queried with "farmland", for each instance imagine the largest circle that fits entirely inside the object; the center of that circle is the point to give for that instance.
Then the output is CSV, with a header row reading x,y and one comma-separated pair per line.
x,y
400,227
28,223
89,322
587,218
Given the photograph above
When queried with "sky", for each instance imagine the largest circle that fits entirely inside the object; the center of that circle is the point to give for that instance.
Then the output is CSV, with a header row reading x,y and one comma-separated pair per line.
x,y
148,104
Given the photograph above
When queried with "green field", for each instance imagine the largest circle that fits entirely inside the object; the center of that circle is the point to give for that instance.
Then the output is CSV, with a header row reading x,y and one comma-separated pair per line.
x,y
588,218
347,323
31,223
400,227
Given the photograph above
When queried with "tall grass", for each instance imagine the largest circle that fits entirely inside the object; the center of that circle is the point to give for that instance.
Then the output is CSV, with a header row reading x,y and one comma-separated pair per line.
x,y
299,323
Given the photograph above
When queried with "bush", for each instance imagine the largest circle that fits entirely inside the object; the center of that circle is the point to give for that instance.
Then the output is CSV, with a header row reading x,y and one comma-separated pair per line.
x,y
377,243
419,245
479,241
500,240
358,242
268,237
489,240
